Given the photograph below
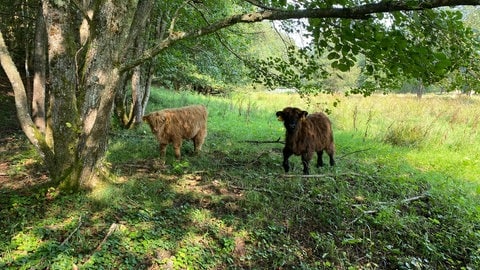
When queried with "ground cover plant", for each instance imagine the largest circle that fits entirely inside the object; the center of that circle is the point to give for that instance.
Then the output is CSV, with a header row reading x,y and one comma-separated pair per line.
x,y
403,195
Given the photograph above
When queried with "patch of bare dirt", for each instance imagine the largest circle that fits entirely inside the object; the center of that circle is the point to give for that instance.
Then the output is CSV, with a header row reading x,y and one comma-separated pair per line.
x,y
16,173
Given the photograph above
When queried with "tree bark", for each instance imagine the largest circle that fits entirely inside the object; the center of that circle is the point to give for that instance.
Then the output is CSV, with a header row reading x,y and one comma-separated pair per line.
x,y
21,101
100,82
140,76
39,72
64,120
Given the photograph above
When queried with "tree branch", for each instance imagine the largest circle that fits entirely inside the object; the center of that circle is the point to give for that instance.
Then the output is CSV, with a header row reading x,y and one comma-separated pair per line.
x,y
174,19
257,141
71,234
33,134
361,12
111,230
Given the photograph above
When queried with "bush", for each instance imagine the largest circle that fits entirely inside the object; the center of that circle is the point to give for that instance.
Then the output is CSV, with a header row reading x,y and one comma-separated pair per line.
x,y
404,134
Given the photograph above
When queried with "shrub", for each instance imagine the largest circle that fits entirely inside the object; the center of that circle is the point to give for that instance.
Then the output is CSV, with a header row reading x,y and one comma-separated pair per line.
x,y
404,134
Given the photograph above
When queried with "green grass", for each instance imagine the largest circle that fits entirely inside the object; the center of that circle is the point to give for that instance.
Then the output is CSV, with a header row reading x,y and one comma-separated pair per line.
x,y
404,194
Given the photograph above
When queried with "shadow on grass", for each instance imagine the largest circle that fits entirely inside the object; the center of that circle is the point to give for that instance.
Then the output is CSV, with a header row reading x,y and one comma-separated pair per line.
x,y
231,207
236,209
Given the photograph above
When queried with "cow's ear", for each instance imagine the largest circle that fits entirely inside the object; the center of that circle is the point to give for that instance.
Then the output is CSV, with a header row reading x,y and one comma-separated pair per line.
x,y
279,116
304,114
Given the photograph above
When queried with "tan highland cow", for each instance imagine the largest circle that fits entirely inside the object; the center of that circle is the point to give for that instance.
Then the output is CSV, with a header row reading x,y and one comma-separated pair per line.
x,y
176,124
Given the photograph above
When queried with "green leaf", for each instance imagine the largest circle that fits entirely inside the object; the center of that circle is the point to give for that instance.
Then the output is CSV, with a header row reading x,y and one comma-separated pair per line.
x,y
343,67
369,69
333,55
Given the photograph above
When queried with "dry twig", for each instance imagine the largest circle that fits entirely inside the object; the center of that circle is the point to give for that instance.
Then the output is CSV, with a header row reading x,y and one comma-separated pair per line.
x,y
111,230
255,141
71,234
402,202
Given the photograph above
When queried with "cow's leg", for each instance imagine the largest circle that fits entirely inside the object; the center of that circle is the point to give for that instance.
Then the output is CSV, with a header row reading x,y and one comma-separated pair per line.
x,y
332,160
176,147
306,157
286,155
320,158
198,141
163,150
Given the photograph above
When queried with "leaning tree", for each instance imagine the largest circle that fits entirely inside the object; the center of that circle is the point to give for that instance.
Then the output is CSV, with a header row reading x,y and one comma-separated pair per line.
x,y
84,49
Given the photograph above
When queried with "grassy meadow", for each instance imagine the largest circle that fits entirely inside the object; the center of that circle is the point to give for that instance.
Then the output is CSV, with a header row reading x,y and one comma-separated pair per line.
x,y
405,193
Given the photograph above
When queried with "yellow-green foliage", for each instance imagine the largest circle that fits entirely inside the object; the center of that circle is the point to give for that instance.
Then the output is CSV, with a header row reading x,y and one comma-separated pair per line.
x,y
450,120
403,134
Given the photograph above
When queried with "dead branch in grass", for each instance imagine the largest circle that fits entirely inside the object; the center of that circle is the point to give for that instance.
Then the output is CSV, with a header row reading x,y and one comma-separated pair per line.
x,y
71,234
416,198
264,190
111,230
401,202
308,175
258,142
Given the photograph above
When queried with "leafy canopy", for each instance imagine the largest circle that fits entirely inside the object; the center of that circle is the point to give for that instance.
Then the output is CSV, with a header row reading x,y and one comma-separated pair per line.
x,y
427,45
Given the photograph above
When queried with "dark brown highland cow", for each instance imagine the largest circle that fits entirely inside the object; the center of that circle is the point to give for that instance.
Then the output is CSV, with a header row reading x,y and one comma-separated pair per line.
x,y
175,125
306,134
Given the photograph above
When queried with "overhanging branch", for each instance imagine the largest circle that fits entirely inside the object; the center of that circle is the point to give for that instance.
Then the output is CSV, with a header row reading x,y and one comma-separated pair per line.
x,y
360,12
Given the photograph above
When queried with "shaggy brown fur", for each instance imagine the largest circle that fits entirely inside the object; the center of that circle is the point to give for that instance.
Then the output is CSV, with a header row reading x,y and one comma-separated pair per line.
x,y
175,125
306,134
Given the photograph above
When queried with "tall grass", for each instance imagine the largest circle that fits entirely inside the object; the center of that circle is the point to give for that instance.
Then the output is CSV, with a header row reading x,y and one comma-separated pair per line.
x,y
439,132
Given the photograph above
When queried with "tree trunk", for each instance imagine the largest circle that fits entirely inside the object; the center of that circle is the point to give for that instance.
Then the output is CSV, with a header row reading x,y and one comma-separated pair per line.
x,y
148,85
83,78
420,89
39,72
130,114
140,79
137,96
64,121
121,107
94,135
21,101
98,81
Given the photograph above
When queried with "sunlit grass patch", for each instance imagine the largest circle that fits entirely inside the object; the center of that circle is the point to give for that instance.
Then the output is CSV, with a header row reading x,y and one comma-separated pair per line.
x,y
385,205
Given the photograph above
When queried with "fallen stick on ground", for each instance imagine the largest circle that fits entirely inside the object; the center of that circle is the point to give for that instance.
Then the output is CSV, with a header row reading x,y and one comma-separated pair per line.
x,y
111,230
255,141
71,234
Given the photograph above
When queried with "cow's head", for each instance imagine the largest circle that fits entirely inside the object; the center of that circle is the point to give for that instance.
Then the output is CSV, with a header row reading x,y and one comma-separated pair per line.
x,y
291,117
155,120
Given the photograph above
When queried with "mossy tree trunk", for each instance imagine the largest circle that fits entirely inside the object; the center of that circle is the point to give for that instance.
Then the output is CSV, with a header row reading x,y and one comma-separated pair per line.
x,y
87,93
85,52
